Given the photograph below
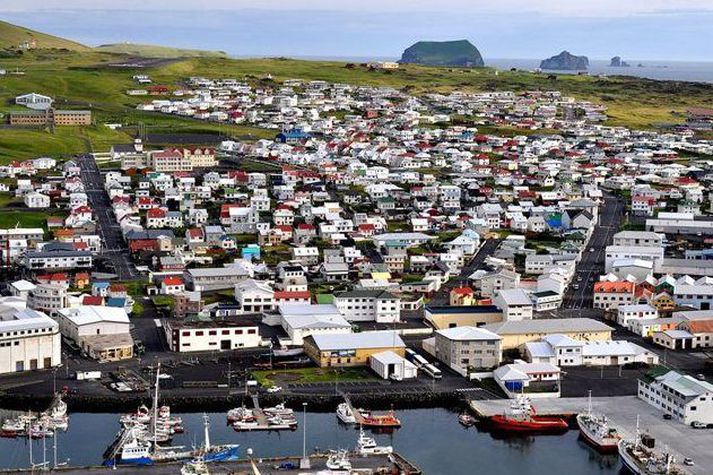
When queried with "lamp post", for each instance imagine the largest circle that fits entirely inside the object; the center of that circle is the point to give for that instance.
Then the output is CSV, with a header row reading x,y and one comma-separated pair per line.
x,y
304,462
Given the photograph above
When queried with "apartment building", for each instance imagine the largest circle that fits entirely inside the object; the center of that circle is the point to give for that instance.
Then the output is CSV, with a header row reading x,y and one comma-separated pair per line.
x,y
610,295
369,305
685,398
638,238
465,349
255,296
646,253
514,303
57,259
48,298
214,278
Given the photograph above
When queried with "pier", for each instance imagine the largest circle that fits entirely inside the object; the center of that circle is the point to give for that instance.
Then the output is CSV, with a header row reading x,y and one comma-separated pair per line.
x,y
622,411
371,465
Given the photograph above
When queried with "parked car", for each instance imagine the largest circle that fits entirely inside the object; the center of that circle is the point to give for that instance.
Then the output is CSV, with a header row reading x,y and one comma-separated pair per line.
x,y
668,417
698,425
688,461
274,389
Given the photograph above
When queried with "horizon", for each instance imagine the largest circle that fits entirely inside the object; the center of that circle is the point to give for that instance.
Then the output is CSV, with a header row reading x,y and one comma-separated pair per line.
x,y
535,30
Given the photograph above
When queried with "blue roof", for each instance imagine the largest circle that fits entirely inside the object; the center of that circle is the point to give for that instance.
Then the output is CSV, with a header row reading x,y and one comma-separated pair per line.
x,y
116,302
101,285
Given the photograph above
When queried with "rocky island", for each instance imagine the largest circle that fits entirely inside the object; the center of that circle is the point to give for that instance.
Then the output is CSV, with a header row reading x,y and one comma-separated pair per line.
x,y
443,53
617,62
565,61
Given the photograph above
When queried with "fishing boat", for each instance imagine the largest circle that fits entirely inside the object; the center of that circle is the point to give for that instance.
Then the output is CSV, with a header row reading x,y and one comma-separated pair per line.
x,y
367,446
595,430
522,418
240,414
388,420
279,410
338,461
129,449
345,414
639,457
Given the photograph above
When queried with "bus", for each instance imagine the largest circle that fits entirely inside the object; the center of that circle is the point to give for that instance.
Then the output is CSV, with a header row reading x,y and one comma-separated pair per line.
x,y
415,358
432,371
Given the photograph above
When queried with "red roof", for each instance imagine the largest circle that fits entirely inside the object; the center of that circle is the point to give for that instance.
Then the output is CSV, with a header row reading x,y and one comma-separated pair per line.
x,y
93,300
614,287
156,213
462,291
173,281
292,295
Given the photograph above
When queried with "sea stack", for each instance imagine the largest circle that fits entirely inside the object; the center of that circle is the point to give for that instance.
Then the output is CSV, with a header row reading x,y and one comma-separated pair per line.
x,y
565,61
617,62
443,53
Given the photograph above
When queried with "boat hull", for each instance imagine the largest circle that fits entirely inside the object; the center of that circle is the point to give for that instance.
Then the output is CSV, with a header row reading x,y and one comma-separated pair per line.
x,y
131,461
604,448
534,425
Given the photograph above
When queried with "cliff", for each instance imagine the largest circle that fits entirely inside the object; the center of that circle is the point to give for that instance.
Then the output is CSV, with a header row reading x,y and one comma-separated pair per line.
x,y
565,61
443,53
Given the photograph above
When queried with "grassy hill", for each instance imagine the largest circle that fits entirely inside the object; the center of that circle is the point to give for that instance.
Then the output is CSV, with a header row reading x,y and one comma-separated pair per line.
x,y
12,35
153,51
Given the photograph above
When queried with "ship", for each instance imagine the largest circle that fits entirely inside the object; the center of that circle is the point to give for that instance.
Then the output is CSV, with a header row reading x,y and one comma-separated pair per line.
x,y
367,446
345,413
595,430
385,421
640,457
522,418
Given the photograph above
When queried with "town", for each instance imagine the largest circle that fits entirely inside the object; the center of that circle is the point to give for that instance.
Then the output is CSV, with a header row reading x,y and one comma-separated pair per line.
x,y
476,246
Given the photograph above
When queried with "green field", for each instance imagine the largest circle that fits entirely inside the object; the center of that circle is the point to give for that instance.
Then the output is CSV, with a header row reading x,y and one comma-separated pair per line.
x,y
311,375
90,79
25,218
11,36
153,51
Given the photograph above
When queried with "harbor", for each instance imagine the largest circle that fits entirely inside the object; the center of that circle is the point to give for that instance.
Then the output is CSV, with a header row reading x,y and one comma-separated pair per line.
x,y
681,440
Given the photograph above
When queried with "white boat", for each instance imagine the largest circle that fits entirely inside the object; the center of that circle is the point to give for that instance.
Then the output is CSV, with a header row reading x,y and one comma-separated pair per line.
x,y
595,429
345,414
195,467
245,425
639,457
367,446
279,410
240,414
284,352
338,461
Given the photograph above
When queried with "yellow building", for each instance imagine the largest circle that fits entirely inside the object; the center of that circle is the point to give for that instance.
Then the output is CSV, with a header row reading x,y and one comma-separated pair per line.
x,y
517,333
351,349
663,303
462,316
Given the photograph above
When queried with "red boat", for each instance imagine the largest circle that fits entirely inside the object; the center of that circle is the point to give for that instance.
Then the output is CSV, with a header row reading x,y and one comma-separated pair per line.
x,y
523,419
384,421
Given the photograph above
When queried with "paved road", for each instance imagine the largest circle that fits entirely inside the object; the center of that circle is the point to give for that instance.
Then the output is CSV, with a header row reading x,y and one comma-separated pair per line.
x,y
113,246
476,262
591,266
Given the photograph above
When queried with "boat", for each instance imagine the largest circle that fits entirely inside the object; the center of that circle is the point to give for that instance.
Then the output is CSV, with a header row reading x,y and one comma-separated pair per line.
x,y
279,410
388,420
284,352
338,461
240,414
245,425
345,414
639,457
522,418
466,419
12,428
195,467
367,446
129,449
595,430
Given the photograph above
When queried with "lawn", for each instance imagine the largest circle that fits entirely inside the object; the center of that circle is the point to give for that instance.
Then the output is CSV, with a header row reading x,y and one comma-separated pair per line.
x,y
312,375
9,218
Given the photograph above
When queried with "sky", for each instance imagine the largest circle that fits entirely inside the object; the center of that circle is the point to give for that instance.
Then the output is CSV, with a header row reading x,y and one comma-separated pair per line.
x,y
635,29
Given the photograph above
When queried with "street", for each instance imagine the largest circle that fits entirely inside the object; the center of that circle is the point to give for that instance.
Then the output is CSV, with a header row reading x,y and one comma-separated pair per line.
x,y
591,266
113,246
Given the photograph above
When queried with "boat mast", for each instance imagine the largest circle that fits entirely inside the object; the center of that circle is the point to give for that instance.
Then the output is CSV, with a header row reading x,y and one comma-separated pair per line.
x,y
155,407
638,435
206,424
589,408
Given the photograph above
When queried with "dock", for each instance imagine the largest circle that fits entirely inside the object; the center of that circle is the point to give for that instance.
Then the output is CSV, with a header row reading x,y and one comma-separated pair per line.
x,y
262,420
370,465
622,411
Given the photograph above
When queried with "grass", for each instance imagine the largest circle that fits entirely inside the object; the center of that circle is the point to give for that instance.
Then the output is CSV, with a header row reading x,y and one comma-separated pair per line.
x,y
312,375
11,36
163,300
154,51
9,218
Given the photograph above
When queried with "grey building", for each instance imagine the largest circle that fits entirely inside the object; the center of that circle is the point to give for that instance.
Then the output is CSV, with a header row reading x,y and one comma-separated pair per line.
x,y
465,349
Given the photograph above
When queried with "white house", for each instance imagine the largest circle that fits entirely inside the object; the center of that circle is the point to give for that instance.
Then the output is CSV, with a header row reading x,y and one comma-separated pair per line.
x,y
220,334
369,305
515,304
254,296
389,365
627,313
37,200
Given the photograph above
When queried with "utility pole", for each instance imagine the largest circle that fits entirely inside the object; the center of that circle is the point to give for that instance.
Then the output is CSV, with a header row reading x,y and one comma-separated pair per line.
x,y
304,462
229,374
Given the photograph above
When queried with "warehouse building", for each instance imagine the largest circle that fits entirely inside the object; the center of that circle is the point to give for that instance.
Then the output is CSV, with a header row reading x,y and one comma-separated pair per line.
x,y
353,349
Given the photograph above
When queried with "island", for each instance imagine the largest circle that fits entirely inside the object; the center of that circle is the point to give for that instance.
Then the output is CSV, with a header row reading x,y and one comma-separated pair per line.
x,y
617,62
565,61
443,53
